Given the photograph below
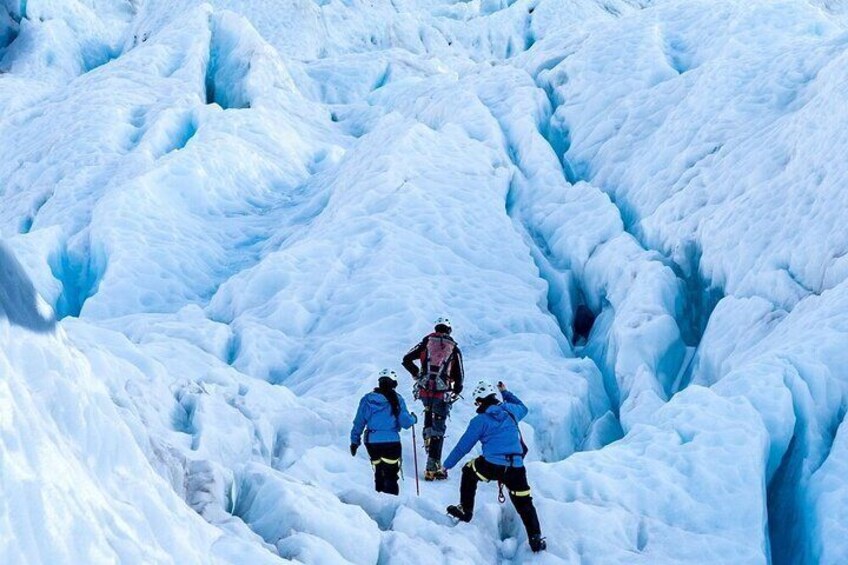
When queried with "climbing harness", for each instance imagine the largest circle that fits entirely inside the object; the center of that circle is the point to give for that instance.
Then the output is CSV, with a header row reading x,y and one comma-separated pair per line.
x,y
473,465
386,460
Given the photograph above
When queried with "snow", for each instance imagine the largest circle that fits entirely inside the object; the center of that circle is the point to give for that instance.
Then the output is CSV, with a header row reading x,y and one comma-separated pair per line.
x,y
220,221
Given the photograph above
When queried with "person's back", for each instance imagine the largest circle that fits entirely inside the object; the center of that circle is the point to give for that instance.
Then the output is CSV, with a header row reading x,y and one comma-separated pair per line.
x,y
381,424
499,434
381,415
438,380
440,360
496,427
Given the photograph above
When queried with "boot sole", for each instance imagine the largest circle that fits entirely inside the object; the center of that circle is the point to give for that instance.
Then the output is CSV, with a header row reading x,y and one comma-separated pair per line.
x,y
542,547
458,518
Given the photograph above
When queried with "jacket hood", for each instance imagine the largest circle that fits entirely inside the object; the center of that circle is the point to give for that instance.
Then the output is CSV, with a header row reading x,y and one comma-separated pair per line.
x,y
376,399
497,412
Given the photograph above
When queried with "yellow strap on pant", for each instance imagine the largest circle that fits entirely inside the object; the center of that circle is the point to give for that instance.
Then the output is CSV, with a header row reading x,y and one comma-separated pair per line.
x,y
520,492
385,460
473,465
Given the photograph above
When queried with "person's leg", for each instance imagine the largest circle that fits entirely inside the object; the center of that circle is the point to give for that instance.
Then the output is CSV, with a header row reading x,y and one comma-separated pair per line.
x,y
434,437
439,409
374,453
385,458
473,472
515,479
391,467
428,429
467,491
471,475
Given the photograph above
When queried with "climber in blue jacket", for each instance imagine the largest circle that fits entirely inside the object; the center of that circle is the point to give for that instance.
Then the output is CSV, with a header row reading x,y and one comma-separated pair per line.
x,y
381,415
496,427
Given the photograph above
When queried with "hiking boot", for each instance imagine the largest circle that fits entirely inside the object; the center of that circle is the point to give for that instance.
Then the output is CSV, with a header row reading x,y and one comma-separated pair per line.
x,y
459,513
537,543
437,475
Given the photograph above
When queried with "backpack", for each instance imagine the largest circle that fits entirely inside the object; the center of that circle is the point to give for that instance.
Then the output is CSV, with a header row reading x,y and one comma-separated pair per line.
x,y
436,360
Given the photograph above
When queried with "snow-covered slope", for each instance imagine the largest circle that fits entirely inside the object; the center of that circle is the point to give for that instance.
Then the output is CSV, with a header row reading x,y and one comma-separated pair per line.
x,y
219,221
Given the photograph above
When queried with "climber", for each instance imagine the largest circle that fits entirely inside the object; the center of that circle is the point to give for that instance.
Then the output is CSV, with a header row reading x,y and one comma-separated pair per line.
x,y
438,382
496,426
381,415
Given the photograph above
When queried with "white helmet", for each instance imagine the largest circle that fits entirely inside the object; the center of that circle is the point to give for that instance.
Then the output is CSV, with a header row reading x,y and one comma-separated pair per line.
x,y
484,389
388,373
443,321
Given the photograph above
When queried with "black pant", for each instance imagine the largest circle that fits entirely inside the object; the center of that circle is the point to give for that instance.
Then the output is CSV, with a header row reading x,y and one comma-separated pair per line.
x,y
513,478
436,412
385,458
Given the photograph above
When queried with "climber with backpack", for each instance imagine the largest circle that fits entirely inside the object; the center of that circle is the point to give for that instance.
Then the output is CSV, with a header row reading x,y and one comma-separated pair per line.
x,y
496,427
381,415
438,382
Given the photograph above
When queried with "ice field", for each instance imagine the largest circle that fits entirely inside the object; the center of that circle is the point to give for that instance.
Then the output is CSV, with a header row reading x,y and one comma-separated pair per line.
x,y
219,221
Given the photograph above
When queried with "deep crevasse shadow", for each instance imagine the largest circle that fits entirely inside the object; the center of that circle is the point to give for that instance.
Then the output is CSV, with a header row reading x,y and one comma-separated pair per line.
x,y
18,298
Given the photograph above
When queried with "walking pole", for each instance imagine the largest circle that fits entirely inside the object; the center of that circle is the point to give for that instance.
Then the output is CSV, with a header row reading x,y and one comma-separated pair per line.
x,y
415,459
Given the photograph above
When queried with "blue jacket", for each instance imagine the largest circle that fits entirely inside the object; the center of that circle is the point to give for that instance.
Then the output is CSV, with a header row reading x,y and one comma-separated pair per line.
x,y
497,431
375,413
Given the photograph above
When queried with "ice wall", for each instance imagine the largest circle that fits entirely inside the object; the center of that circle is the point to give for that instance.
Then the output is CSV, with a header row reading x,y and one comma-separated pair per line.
x,y
238,217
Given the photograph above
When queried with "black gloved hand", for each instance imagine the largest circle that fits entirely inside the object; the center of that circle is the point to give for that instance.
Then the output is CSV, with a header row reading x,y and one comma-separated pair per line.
x,y
457,390
353,448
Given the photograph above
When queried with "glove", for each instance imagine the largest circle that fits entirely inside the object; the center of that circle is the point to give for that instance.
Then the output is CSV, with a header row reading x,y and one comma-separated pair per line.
x,y
414,417
457,390
353,448
501,386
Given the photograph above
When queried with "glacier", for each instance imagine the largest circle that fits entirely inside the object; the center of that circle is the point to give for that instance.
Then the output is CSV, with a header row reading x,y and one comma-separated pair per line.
x,y
220,219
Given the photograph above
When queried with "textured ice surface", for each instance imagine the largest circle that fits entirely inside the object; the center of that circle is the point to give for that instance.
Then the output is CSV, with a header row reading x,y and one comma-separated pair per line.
x,y
221,220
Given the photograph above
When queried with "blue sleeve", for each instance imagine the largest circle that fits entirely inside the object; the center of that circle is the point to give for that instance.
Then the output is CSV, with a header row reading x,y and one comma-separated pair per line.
x,y
359,422
514,405
466,442
405,419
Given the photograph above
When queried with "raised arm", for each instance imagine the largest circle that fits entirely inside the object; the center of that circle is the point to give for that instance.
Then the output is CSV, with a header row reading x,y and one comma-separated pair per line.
x,y
514,405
